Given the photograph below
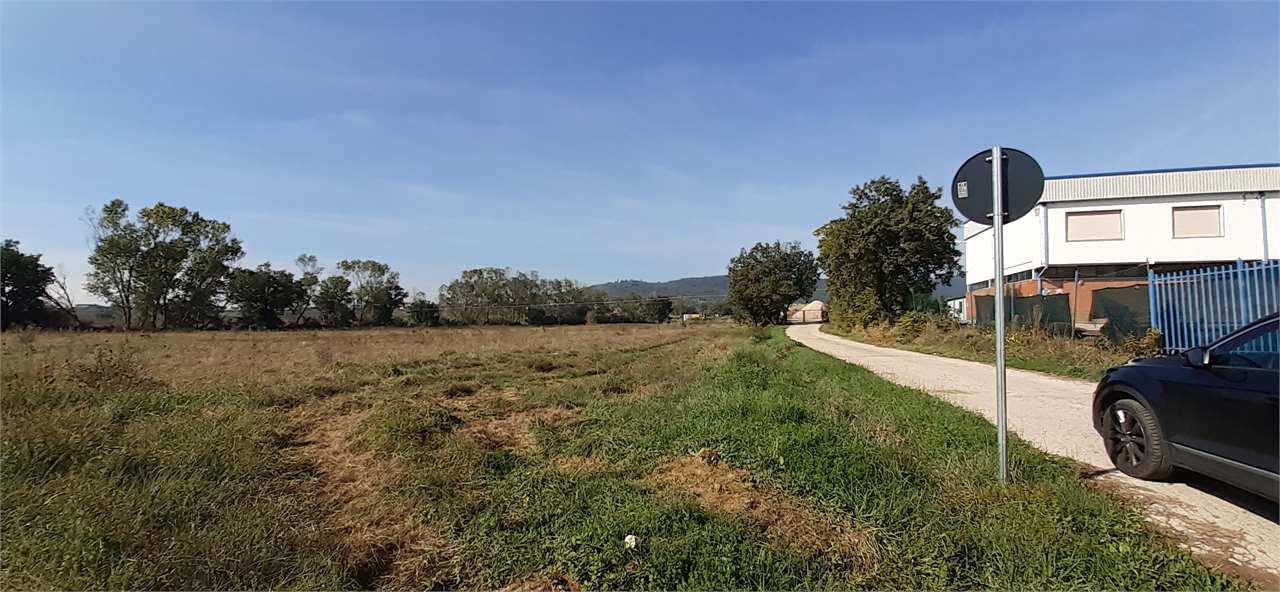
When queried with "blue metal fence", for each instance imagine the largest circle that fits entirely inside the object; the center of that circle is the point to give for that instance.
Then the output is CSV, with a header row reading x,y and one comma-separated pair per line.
x,y
1195,307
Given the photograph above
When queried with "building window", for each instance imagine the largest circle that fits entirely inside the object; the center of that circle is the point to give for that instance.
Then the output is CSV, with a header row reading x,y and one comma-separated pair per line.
x,y
1197,221
1021,276
1095,226
1011,278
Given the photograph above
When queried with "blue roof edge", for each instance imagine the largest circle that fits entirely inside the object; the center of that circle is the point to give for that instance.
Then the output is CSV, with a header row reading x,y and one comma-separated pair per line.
x,y
1176,170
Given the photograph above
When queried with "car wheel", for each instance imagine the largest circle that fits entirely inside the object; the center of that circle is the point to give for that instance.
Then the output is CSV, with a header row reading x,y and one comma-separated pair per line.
x,y
1134,441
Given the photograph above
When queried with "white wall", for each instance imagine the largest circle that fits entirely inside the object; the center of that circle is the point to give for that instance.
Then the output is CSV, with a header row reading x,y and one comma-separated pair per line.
x,y
1273,225
1023,248
1148,231
1148,235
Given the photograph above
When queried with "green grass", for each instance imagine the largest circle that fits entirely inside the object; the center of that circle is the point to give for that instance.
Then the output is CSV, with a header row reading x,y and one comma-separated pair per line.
x,y
817,429
154,490
1026,350
148,488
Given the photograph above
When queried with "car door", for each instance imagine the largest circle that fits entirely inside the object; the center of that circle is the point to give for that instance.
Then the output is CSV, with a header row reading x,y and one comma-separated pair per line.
x,y
1229,407
1248,372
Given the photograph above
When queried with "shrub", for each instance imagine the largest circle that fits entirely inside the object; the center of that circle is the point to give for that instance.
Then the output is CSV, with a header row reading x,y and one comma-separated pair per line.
x,y
1146,346
910,325
945,321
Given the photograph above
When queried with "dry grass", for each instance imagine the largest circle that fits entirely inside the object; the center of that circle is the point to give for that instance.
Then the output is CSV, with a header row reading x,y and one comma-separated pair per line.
x,y
785,519
543,584
478,458
201,359
384,541
578,464
514,431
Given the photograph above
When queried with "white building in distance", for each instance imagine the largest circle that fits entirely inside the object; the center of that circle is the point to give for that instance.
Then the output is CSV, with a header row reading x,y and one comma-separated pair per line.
x,y
1103,231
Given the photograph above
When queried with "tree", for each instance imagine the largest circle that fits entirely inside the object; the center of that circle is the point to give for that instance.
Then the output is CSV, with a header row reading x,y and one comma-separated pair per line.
x,y
116,259
474,297
203,281
333,301
770,276
263,295
382,302
310,282
655,310
24,282
166,268
59,296
892,243
424,312
375,289
496,295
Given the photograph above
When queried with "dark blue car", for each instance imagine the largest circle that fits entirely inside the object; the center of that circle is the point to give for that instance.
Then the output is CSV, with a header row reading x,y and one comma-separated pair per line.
x,y
1213,410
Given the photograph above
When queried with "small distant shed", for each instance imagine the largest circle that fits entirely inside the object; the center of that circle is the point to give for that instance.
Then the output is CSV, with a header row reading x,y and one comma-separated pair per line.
x,y
813,312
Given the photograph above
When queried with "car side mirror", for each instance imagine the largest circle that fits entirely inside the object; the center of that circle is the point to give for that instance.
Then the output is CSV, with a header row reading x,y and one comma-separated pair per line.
x,y
1197,357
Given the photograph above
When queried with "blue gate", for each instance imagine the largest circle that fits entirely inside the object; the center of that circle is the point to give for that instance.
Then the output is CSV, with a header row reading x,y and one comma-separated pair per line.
x,y
1195,307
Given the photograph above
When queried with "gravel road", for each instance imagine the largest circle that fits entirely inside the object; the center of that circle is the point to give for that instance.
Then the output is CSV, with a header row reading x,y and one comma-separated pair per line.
x,y
1053,413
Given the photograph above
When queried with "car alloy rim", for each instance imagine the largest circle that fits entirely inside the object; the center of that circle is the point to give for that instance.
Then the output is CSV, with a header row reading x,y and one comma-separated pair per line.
x,y
1128,440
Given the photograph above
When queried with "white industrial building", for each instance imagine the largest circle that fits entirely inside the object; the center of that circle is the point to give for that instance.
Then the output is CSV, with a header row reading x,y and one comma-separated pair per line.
x,y
1104,230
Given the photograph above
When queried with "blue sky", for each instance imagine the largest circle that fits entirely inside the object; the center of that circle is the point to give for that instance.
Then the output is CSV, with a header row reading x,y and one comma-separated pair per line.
x,y
594,141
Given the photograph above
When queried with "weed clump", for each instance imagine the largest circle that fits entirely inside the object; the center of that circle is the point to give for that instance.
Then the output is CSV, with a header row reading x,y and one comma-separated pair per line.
x,y
112,370
910,325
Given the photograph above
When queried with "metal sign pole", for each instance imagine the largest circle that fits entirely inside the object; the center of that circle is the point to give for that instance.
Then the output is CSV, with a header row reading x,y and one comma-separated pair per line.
x,y
997,233
1017,183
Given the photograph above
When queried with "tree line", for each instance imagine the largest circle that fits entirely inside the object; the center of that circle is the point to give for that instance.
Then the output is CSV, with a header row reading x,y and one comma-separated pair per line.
x,y
891,247
169,267
492,295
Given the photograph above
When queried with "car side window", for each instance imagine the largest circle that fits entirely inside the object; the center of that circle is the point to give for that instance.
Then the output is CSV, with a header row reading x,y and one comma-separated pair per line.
x,y
1259,348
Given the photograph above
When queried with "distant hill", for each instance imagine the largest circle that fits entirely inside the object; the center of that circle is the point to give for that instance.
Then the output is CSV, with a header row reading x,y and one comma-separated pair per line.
x,y
714,286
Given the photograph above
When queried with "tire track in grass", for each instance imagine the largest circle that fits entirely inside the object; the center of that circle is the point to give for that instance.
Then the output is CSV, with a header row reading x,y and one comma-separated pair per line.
x,y
383,540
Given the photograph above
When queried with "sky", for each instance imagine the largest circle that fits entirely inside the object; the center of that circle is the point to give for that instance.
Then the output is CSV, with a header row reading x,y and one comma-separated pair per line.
x,y
592,141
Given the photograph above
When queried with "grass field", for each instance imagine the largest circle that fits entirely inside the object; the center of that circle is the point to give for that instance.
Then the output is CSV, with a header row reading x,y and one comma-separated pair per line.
x,y
1028,350
521,457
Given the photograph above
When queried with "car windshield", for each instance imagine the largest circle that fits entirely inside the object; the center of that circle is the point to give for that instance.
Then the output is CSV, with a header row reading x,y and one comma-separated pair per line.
x,y
1259,348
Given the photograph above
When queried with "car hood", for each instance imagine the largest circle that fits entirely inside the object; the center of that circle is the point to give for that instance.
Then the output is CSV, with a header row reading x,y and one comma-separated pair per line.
x,y
1158,361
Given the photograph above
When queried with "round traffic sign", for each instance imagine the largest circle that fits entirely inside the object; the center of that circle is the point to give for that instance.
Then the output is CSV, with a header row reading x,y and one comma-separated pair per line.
x,y
1022,182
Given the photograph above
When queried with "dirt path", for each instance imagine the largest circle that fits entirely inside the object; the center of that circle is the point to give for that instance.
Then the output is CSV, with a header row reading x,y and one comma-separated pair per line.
x,y
1054,414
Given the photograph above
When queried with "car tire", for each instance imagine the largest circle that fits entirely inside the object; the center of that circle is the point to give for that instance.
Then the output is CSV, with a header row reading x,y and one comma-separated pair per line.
x,y
1134,441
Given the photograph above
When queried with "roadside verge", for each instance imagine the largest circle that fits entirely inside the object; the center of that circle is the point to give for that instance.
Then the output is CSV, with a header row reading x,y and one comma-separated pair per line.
x,y
1054,414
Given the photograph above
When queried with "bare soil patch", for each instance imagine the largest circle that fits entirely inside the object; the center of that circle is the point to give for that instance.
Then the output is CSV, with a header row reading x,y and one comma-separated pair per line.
x,y
383,539
513,431
786,520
